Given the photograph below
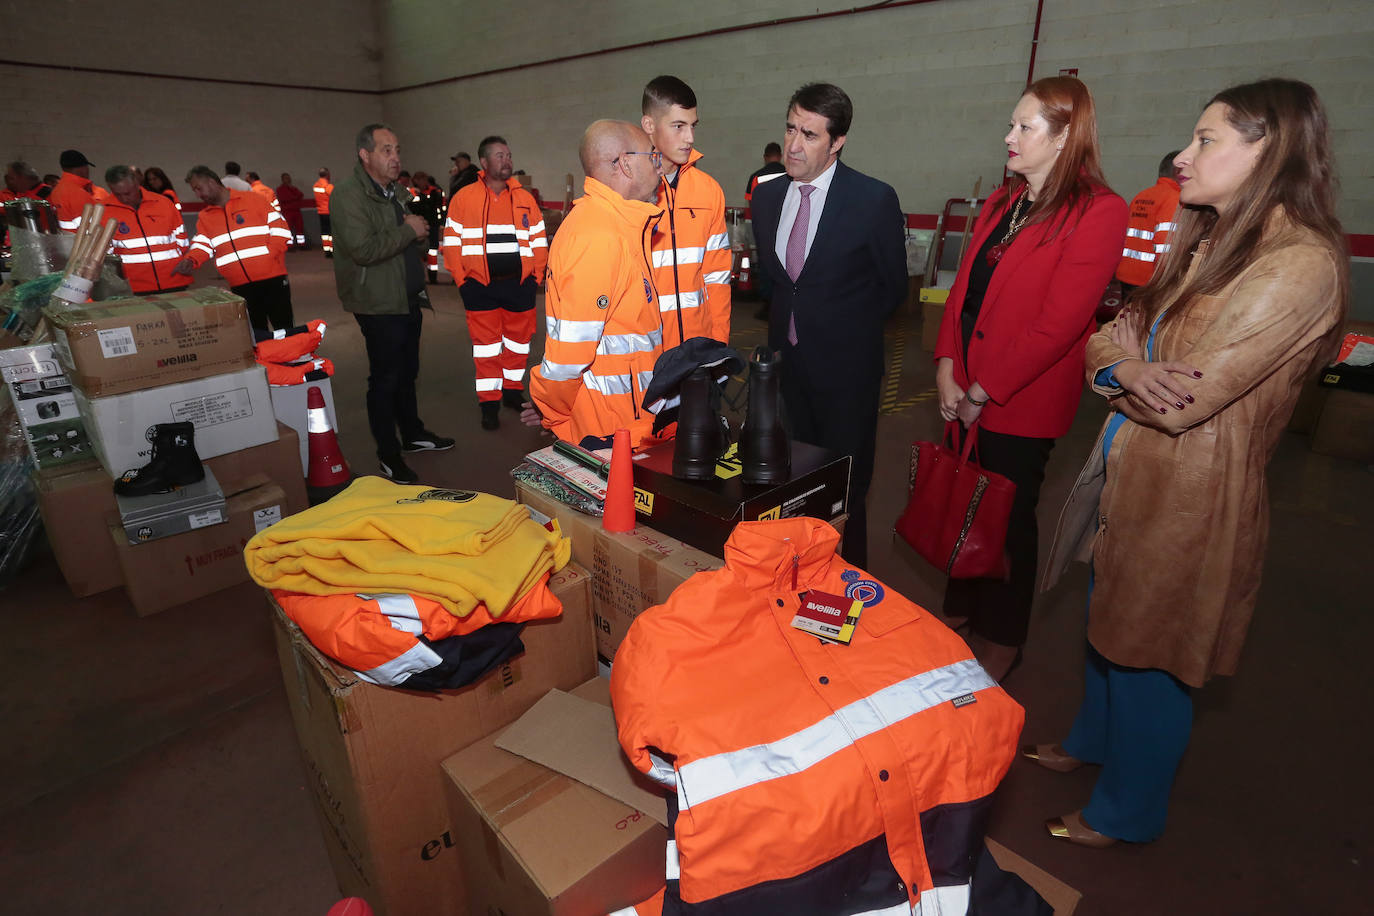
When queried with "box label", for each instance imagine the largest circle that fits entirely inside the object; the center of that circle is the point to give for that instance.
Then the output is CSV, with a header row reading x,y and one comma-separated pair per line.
x,y
213,409
115,342
266,517
644,502
205,519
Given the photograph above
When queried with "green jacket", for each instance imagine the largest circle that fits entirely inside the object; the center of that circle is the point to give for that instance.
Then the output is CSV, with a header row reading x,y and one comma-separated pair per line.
x,y
369,265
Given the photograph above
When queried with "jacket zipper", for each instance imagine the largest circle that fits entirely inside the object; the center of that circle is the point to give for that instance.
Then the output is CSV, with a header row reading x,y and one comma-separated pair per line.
x,y
670,194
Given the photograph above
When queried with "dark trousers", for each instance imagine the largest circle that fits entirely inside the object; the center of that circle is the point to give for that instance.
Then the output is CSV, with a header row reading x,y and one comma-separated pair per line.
x,y
393,363
999,611
268,301
827,407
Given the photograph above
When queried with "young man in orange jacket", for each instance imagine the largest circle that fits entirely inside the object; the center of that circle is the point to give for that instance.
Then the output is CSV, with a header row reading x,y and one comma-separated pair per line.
x,y
150,237
247,238
73,190
1147,233
691,246
323,188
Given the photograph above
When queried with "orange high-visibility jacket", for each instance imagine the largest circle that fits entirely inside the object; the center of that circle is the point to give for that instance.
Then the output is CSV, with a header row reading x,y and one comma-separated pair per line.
x,y
692,257
323,188
602,320
1147,233
287,344
69,196
819,778
477,226
247,237
266,193
149,241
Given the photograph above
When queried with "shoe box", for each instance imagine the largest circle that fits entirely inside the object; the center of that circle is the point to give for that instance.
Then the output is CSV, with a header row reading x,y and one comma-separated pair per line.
x,y
289,405
372,754
703,513
124,345
549,818
231,411
78,507
160,515
44,405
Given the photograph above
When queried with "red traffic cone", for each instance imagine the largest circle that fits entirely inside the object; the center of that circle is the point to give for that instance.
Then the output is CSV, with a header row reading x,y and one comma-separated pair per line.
x,y
327,465
619,511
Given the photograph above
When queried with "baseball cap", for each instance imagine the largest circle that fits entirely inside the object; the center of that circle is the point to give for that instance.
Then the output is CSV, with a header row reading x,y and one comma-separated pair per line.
x,y
461,156
72,159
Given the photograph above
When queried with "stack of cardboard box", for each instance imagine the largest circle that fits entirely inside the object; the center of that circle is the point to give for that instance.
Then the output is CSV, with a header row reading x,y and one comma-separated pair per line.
x,y
135,363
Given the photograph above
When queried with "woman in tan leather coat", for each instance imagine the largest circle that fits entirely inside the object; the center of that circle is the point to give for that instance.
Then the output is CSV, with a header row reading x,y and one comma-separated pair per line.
x,y
1202,373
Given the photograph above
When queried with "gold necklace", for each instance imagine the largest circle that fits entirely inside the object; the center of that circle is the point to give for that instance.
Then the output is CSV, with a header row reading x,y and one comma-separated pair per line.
x,y
1017,221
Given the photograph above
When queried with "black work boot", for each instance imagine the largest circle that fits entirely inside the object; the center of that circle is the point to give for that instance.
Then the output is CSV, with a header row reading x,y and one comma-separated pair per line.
x,y
491,414
764,451
702,433
174,463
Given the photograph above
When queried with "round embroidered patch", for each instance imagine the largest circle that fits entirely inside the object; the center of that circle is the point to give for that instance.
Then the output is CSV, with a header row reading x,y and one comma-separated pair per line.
x,y
602,302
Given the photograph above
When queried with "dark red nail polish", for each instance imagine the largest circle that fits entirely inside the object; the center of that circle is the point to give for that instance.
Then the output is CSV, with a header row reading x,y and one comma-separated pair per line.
x,y
1178,404
1197,374
1162,410
1188,398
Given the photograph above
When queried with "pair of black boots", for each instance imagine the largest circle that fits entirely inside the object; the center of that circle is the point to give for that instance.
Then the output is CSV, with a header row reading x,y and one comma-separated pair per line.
x,y
174,462
703,434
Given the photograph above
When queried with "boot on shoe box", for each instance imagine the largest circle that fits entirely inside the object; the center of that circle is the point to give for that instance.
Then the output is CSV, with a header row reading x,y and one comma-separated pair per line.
x,y
174,462
703,434
764,449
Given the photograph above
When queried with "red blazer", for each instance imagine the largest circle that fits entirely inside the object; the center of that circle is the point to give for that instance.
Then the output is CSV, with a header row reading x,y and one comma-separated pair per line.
x,y
1027,347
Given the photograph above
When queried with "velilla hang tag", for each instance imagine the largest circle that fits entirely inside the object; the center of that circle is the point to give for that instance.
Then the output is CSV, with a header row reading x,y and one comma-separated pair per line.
x,y
831,617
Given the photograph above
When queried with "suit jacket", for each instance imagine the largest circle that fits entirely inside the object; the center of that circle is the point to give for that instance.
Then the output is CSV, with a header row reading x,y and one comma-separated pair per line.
x,y
854,277
1027,347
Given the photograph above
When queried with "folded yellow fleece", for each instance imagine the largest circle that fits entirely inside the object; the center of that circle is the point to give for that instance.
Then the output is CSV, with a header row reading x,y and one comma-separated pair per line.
x,y
458,547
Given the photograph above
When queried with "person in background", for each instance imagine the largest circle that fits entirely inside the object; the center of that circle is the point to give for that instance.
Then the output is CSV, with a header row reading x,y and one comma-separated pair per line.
x,y
289,199
772,168
260,187
156,180
429,203
1009,357
1147,234
1201,377
149,238
73,190
232,179
51,180
21,180
462,173
322,189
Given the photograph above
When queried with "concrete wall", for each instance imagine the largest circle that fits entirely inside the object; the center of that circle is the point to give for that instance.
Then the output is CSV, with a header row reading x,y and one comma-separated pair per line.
x,y
932,84
183,120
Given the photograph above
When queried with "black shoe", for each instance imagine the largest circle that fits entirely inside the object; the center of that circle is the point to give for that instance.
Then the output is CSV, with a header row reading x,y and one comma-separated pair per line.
x,y
174,462
765,453
394,468
702,433
427,442
491,414
513,398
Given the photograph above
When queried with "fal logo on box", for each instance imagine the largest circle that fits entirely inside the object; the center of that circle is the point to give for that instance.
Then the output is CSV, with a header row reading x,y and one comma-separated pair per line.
x,y
145,532
179,360
865,590
644,502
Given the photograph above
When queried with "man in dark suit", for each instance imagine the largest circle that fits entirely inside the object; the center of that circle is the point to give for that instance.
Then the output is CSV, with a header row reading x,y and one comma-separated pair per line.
x,y
832,242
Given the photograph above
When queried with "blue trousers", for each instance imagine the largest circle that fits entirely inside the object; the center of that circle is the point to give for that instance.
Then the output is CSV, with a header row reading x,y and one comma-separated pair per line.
x,y
1135,722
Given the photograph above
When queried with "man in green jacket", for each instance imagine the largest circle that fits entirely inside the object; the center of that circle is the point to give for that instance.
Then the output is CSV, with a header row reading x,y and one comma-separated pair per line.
x,y
379,271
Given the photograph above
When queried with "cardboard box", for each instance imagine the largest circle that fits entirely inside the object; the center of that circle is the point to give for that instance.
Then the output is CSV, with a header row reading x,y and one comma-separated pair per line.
x,y
536,836
932,313
630,571
143,342
160,515
288,403
704,513
372,753
45,405
174,570
230,412
1345,428
1060,896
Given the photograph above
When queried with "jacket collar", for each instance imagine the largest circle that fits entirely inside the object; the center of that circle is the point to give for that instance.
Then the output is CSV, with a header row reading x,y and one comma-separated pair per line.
x,y
511,183
763,554
370,186
72,178
634,212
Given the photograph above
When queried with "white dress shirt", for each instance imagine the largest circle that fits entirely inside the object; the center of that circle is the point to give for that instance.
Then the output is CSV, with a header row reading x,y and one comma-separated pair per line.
x,y
791,201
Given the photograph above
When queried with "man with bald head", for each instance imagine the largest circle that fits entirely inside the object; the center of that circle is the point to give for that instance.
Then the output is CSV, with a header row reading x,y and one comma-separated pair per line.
x,y
604,329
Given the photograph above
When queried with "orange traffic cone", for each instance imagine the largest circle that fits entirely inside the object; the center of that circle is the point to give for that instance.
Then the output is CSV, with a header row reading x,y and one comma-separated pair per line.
x,y
328,471
619,511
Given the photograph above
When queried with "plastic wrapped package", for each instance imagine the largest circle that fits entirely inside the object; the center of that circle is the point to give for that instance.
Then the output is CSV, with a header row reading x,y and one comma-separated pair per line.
x,y
549,483
19,519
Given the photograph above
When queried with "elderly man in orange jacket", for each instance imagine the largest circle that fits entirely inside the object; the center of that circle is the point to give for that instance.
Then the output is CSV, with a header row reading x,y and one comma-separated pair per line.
x,y
150,237
604,328
247,238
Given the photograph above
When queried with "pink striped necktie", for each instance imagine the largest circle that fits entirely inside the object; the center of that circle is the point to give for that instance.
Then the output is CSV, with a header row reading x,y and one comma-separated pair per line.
x,y
796,249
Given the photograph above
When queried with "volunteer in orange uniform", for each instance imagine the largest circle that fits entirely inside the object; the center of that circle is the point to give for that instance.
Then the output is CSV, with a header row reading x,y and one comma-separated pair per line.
x,y
323,188
73,191
603,324
260,188
248,239
1147,234
149,238
691,246
494,246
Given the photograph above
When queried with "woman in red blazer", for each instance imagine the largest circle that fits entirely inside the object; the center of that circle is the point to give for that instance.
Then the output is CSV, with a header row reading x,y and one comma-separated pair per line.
x,y
1010,351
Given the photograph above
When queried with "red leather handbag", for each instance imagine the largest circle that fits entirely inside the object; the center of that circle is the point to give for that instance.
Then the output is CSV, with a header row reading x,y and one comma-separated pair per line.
x,y
957,515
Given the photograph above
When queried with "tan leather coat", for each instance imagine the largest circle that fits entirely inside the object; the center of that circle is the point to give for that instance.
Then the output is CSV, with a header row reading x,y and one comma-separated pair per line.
x,y
1175,524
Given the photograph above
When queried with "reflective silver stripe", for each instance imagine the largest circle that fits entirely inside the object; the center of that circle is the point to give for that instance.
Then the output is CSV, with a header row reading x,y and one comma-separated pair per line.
x,y
434,252
937,901
661,771
483,351
514,346
499,248
454,225
473,249
512,375
417,658
684,256
661,405
718,241
719,775
1138,255
560,372
718,276
621,344
472,232
539,242
565,330
627,911
241,255
620,384
673,869
525,252
280,233
488,384
400,612
1140,234
316,420
149,240
901,909
537,227
689,300
201,246
1166,227
501,229
1160,249
769,177
167,255
70,223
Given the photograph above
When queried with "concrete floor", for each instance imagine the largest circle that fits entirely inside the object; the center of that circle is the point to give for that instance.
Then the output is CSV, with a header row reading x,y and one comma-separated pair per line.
x,y
153,770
